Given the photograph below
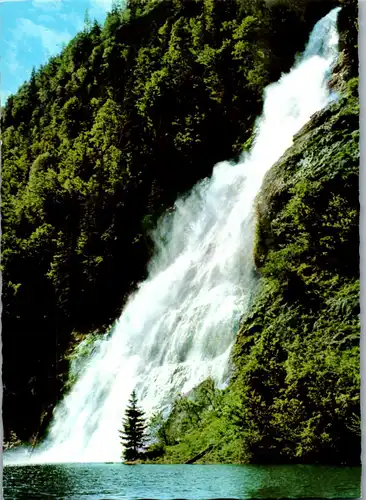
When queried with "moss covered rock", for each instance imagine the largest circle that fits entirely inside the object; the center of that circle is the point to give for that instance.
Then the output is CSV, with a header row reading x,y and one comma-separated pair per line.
x,y
297,352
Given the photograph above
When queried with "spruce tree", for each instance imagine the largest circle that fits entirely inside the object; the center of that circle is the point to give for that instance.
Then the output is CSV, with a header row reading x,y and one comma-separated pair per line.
x,y
133,429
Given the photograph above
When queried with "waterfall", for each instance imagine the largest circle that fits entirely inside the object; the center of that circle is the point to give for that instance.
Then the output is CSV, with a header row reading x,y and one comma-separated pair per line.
x,y
178,328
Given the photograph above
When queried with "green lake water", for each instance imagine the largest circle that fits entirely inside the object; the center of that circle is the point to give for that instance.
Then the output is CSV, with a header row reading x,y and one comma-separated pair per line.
x,y
118,481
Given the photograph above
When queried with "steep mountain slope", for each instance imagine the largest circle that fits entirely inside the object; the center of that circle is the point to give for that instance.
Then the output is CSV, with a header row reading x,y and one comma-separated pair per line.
x,y
295,392
297,353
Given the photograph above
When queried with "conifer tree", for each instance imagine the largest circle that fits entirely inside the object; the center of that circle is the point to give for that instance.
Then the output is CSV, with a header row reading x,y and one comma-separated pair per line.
x,y
133,429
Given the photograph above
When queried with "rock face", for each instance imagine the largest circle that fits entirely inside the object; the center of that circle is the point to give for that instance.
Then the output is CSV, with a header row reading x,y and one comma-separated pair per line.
x,y
321,137
297,353
324,152
347,66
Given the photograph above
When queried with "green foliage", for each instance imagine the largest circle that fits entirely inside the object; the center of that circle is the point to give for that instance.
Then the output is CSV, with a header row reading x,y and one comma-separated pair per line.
x,y
80,353
207,419
297,353
133,430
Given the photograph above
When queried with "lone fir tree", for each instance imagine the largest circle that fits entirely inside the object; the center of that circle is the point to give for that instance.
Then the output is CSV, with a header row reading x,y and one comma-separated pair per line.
x,y
133,429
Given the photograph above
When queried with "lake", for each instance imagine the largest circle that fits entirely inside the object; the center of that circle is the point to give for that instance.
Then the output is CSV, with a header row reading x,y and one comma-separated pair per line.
x,y
118,481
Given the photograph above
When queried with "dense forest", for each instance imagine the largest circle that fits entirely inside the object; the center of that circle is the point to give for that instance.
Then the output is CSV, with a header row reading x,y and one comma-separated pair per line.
x,y
101,141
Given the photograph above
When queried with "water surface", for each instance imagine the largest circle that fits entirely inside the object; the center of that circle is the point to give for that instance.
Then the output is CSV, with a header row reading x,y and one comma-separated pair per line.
x,y
118,481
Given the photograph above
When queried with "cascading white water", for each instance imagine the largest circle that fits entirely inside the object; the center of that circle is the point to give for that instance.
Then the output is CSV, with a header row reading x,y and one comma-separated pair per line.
x,y
179,326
